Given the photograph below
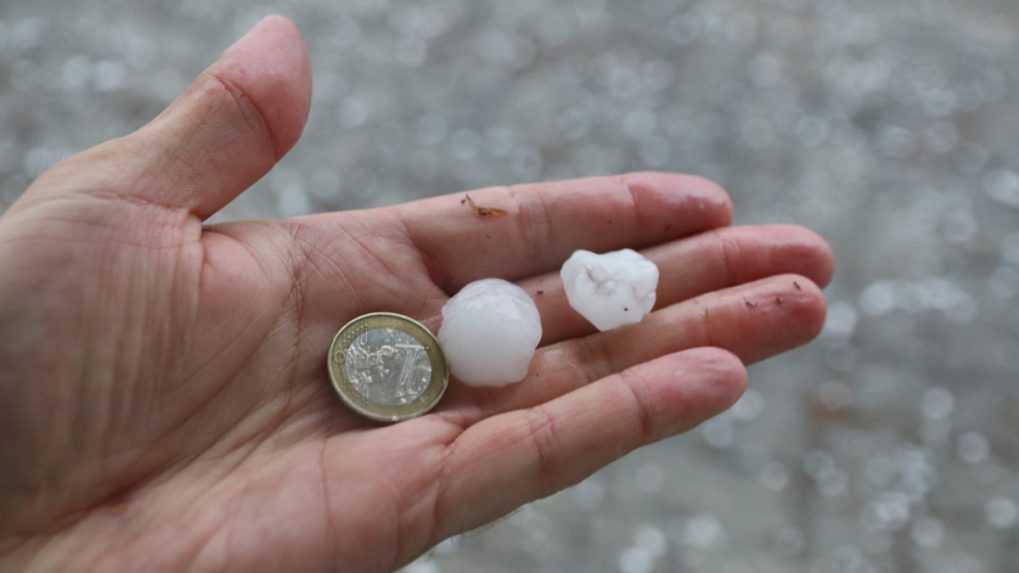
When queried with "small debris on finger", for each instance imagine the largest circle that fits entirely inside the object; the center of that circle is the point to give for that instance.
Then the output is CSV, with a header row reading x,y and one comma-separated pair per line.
x,y
482,211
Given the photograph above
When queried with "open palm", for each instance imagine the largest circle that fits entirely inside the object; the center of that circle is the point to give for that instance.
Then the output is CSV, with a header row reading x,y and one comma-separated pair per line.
x,y
165,399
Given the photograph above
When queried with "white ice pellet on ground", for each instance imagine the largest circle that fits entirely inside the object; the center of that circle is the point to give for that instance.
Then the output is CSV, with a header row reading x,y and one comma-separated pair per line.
x,y
611,289
489,332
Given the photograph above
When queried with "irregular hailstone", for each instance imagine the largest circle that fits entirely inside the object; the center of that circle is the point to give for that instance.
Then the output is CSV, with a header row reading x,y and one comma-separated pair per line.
x,y
611,289
489,332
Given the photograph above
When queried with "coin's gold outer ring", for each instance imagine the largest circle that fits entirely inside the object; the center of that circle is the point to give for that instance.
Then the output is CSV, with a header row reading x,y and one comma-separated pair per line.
x,y
381,412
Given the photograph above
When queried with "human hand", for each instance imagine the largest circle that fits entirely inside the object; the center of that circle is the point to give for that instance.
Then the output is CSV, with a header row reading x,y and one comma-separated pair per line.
x,y
165,400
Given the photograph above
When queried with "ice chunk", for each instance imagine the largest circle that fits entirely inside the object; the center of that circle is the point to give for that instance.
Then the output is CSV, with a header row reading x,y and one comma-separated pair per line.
x,y
611,289
489,332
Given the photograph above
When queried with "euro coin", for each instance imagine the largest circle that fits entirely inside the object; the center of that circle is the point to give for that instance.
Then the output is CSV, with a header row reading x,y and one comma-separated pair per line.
x,y
387,367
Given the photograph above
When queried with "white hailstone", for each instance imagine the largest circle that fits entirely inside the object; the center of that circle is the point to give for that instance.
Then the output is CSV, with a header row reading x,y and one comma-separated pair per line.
x,y
611,289
489,332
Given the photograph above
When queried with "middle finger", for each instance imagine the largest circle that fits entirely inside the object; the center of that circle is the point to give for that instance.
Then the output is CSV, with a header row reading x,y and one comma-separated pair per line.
x,y
697,265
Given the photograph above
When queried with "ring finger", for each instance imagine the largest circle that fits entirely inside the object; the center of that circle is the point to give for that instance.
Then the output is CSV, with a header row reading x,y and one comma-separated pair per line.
x,y
754,321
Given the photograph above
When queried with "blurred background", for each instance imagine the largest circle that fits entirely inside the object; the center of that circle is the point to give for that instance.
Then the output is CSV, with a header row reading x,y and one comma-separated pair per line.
x,y
892,128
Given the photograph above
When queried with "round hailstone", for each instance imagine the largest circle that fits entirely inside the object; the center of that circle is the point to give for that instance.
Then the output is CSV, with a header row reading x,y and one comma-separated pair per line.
x,y
611,289
489,332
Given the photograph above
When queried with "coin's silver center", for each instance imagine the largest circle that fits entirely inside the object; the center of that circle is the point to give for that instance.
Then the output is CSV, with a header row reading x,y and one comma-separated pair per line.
x,y
388,366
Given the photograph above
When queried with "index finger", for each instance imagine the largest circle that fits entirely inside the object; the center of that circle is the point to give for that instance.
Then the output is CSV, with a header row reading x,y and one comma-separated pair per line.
x,y
523,230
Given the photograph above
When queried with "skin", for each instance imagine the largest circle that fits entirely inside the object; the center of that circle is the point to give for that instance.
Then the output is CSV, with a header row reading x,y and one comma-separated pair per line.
x,y
165,400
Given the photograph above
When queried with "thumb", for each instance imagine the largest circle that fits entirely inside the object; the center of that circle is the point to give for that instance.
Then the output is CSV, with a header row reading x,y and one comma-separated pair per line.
x,y
228,129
